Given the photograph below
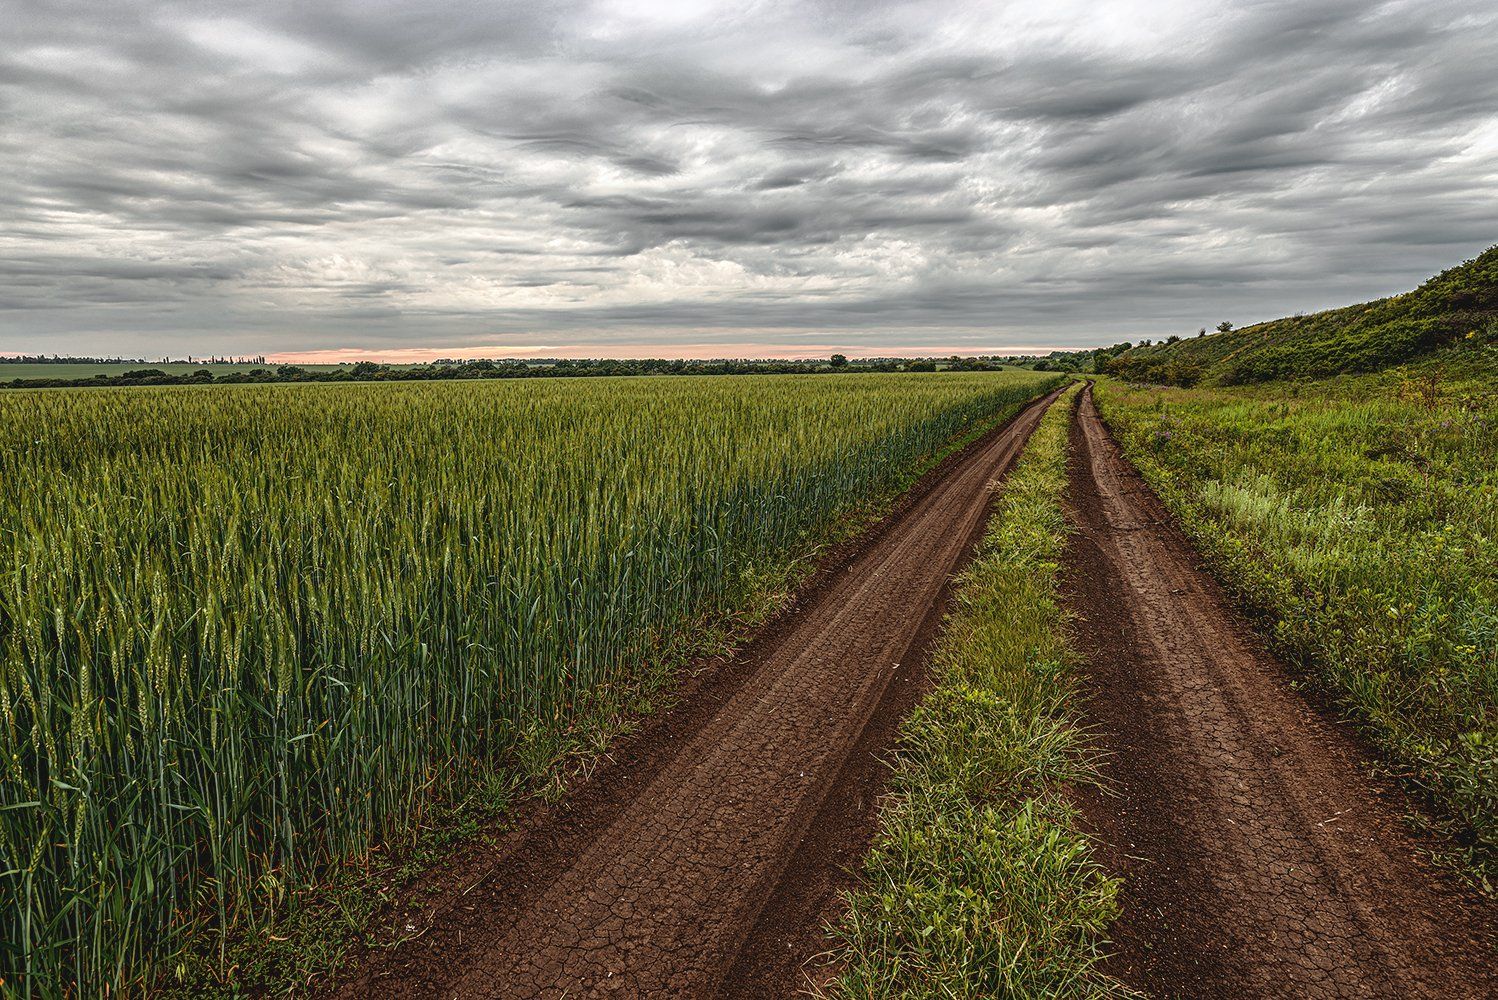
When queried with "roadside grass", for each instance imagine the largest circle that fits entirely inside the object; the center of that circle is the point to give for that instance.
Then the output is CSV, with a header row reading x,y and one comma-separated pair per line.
x,y
1358,519
308,940
980,882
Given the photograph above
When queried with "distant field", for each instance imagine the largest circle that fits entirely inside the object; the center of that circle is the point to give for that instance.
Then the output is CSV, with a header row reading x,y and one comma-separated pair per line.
x,y
15,371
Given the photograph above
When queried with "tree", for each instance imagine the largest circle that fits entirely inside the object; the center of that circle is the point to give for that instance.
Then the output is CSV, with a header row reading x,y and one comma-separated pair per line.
x,y
1224,327
839,361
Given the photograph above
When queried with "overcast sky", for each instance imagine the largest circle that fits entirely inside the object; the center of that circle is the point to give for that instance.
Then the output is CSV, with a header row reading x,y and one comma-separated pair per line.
x,y
702,178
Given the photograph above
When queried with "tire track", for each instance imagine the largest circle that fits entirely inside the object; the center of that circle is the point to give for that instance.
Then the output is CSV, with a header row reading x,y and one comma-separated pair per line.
x,y
656,886
1260,858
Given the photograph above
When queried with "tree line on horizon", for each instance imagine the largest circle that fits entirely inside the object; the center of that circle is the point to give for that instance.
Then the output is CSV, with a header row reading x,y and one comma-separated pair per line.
x,y
371,371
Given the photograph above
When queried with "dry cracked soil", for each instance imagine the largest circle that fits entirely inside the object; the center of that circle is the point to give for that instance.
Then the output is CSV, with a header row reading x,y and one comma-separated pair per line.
x,y
1260,857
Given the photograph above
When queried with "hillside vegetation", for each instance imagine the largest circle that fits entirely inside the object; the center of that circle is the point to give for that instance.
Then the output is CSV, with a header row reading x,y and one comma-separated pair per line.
x,y
1458,305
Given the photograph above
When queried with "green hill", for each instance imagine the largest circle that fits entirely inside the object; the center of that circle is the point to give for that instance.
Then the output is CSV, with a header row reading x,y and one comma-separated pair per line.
x,y
1455,305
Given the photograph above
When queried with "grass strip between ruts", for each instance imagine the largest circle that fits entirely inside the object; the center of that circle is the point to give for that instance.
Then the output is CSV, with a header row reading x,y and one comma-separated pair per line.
x,y
980,882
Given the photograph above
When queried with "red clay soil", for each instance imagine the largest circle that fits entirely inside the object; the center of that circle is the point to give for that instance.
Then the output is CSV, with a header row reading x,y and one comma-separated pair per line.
x,y
701,862
1261,858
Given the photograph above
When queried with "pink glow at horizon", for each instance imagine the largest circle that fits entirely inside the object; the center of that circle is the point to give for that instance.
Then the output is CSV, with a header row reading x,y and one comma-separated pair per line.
x,y
693,352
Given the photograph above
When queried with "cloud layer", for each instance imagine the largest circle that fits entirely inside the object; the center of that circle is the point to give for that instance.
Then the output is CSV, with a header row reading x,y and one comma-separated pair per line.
x,y
284,176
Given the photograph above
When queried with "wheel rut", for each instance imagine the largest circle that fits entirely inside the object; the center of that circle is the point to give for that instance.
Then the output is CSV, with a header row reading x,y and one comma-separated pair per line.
x,y
1261,859
655,882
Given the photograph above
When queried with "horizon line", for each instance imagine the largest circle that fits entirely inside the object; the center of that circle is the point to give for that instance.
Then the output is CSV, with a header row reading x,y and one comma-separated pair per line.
x,y
576,352
644,351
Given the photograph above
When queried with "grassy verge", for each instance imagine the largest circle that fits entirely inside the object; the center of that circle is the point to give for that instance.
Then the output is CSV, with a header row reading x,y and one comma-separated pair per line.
x,y
310,937
980,883
1358,520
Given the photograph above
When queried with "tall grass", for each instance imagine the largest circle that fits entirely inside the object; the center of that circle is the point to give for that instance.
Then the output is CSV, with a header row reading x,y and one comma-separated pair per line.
x,y
980,883
245,633
1360,520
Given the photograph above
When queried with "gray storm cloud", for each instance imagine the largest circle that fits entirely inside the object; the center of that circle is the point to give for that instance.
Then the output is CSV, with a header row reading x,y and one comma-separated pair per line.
x,y
263,177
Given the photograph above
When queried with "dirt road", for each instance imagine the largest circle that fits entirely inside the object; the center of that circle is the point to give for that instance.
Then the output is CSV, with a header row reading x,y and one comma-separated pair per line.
x,y
654,880
1261,860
